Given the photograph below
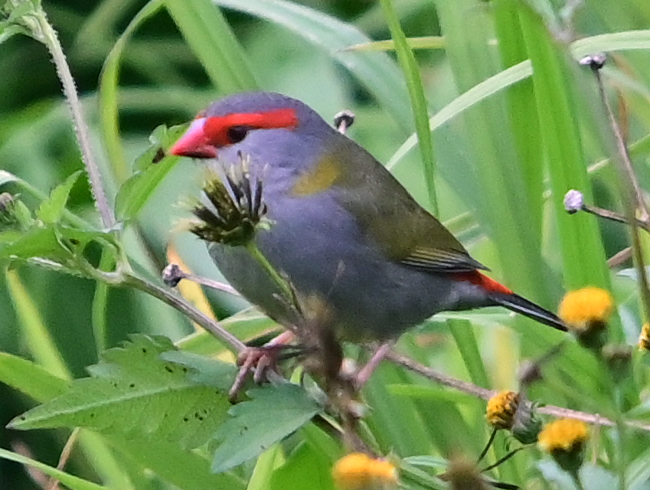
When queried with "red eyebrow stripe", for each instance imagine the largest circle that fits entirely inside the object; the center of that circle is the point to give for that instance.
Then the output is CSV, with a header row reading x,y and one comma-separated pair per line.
x,y
216,127
281,118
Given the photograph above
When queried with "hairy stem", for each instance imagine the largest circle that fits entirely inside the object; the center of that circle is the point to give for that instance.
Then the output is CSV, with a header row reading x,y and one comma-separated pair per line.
x,y
47,36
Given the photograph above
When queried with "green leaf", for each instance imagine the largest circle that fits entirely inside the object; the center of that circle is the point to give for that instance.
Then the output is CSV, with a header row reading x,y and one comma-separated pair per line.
x,y
186,470
132,390
272,414
593,477
463,333
9,30
35,242
376,71
70,481
204,371
30,378
269,461
305,468
418,101
108,88
137,190
38,338
51,209
210,37
425,42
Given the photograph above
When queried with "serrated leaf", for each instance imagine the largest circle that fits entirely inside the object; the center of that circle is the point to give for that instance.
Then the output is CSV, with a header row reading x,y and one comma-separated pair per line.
x,y
51,209
136,191
186,470
204,370
273,413
132,390
30,378
35,242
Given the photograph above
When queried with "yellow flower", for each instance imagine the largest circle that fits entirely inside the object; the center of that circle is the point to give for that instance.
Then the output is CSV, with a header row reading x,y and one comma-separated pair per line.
x,y
581,307
358,471
586,312
644,337
565,440
501,409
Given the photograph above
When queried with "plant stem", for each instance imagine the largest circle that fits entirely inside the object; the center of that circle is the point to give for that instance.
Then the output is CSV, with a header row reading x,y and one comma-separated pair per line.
x,y
266,265
576,479
486,394
48,36
233,343
631,193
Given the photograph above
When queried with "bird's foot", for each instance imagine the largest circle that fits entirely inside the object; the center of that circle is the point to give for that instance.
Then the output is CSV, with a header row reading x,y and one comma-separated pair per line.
x,y
260,361
363,375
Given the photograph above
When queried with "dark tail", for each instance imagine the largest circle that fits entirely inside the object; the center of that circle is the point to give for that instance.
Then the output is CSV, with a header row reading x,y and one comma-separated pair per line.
x,y
521,305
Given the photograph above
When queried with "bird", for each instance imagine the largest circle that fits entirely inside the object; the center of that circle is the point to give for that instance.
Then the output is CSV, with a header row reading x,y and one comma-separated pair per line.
x,y
342,229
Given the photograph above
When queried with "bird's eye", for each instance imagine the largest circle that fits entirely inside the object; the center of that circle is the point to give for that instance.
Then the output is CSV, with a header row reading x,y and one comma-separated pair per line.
x,y
237,133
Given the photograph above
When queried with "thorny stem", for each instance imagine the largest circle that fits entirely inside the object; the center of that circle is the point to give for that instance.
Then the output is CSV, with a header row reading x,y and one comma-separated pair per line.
x,y
48,36
628,182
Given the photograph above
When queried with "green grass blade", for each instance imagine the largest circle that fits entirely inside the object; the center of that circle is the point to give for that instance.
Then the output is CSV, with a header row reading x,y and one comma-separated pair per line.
x,y
425,42
418,102
376,71
37,336
212,40
70,481
582,250
108,97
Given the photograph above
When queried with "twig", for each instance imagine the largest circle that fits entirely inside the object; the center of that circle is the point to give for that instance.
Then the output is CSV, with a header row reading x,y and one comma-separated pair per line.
x,y
233,343
486,394
573,202
628,182
619,257
53,484
173,274
438,377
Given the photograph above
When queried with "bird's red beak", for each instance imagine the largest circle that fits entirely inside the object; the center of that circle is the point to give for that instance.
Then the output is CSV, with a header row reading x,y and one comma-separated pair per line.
x,y
194,143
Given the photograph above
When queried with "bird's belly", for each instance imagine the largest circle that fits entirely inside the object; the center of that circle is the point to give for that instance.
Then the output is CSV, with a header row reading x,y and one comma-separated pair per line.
x,y
327,258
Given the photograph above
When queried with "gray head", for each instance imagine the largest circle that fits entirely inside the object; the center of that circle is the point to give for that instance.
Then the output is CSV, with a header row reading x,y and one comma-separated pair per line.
x,y
270,126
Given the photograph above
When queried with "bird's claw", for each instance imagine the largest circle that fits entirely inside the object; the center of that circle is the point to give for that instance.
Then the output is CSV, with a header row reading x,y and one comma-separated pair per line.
x,y
261,361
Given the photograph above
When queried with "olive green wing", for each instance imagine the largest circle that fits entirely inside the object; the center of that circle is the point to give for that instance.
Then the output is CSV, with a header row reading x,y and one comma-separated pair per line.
x,y
391,218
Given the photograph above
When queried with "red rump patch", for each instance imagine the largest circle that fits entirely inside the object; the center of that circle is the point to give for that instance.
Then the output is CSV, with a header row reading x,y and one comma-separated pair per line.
x,y
216,128
475,277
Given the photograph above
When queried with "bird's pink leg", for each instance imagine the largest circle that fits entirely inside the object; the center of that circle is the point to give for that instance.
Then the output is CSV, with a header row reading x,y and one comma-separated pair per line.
x,y
366,371
258,360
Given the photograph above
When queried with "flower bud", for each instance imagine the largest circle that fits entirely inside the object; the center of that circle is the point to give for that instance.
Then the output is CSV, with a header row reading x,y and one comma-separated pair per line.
x,y
586,311
358,471
501,409
565,440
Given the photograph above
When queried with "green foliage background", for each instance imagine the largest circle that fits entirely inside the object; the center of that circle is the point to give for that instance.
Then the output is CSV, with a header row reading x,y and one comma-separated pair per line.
x,y
502,156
